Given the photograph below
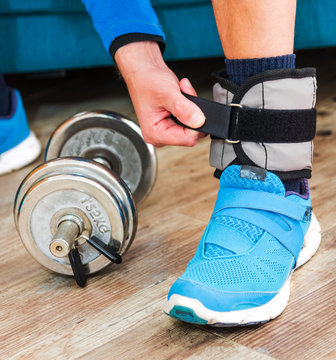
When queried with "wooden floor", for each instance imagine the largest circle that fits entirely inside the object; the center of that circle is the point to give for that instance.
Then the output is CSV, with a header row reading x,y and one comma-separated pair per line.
x,y
119,314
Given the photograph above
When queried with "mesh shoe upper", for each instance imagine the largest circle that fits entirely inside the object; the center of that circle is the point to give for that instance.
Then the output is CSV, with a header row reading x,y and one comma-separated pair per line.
x,y
238,257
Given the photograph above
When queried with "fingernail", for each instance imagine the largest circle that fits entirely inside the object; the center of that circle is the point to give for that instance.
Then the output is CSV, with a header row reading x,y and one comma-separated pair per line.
x,y
187,82
197,120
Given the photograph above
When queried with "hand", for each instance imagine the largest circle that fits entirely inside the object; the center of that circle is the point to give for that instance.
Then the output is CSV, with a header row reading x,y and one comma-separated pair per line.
x,y
156,94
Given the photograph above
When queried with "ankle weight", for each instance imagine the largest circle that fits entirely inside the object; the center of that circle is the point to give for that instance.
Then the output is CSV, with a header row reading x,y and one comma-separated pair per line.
x,y
269,122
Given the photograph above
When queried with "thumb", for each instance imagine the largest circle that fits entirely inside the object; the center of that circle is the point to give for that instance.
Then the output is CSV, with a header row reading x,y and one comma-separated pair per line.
x,y
185,110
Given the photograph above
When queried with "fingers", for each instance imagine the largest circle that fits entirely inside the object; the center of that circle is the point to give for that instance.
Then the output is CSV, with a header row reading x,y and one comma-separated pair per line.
x,y
186,87
182,108
167,132
157,100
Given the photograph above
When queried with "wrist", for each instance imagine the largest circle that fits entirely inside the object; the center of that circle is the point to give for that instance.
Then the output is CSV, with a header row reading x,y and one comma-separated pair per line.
x,y
137,56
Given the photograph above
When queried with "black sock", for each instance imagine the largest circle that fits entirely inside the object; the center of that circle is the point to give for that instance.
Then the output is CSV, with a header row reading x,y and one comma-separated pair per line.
x,y
240,69
5,97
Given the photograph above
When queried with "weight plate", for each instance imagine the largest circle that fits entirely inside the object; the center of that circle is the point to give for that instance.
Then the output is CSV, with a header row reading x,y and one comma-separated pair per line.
x,y
88,188
113,141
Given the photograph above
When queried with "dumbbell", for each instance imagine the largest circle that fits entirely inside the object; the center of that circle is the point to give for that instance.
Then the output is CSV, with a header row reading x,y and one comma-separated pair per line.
x,y
76,212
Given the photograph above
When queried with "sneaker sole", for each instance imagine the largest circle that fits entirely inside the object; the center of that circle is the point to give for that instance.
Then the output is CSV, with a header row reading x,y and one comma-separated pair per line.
x,y
21,155
193,311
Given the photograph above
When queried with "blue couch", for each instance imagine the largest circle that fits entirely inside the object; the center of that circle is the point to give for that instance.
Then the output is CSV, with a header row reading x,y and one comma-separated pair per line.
x,y
41,35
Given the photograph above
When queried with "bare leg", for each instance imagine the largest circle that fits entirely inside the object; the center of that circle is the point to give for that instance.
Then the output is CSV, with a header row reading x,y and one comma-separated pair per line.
x,y
255,29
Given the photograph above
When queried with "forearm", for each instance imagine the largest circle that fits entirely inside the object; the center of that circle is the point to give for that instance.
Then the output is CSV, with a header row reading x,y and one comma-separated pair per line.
x,y
154,89
137,57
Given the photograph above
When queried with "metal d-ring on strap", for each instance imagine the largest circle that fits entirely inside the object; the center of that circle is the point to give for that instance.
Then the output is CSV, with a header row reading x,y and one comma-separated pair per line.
x,y
235,123
234,141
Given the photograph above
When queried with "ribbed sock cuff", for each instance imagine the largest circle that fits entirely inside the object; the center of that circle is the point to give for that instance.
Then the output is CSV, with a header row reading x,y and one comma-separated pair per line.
x,y
240,69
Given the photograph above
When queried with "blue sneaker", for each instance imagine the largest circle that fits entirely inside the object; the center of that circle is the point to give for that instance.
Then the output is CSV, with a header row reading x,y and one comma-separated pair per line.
x,y
257,236
18,145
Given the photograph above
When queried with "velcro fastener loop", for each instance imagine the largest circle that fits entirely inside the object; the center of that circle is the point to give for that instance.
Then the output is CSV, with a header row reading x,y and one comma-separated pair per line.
x,y
291,239
256,125
251,199
235,241
273,126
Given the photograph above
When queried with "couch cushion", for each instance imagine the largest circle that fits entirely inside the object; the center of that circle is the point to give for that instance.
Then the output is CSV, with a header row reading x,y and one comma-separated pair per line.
x,y
14,7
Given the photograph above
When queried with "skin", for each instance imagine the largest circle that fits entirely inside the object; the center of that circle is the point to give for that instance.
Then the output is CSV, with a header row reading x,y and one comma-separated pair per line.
x,y
247,29
251,29
156,93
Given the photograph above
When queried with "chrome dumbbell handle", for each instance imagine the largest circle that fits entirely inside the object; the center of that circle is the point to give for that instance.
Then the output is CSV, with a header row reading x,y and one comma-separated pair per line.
x,y
68,229
101,160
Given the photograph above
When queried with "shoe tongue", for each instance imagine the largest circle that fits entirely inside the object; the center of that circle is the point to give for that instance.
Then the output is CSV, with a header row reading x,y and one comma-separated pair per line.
x,y
251,178
228,235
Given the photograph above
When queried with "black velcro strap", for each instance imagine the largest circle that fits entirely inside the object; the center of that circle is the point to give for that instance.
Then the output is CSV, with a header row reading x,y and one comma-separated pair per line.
x,y
217,116
273,126
257,125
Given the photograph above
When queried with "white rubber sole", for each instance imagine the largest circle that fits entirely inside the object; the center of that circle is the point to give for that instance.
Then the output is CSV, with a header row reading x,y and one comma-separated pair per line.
x,y
21,155
192,310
